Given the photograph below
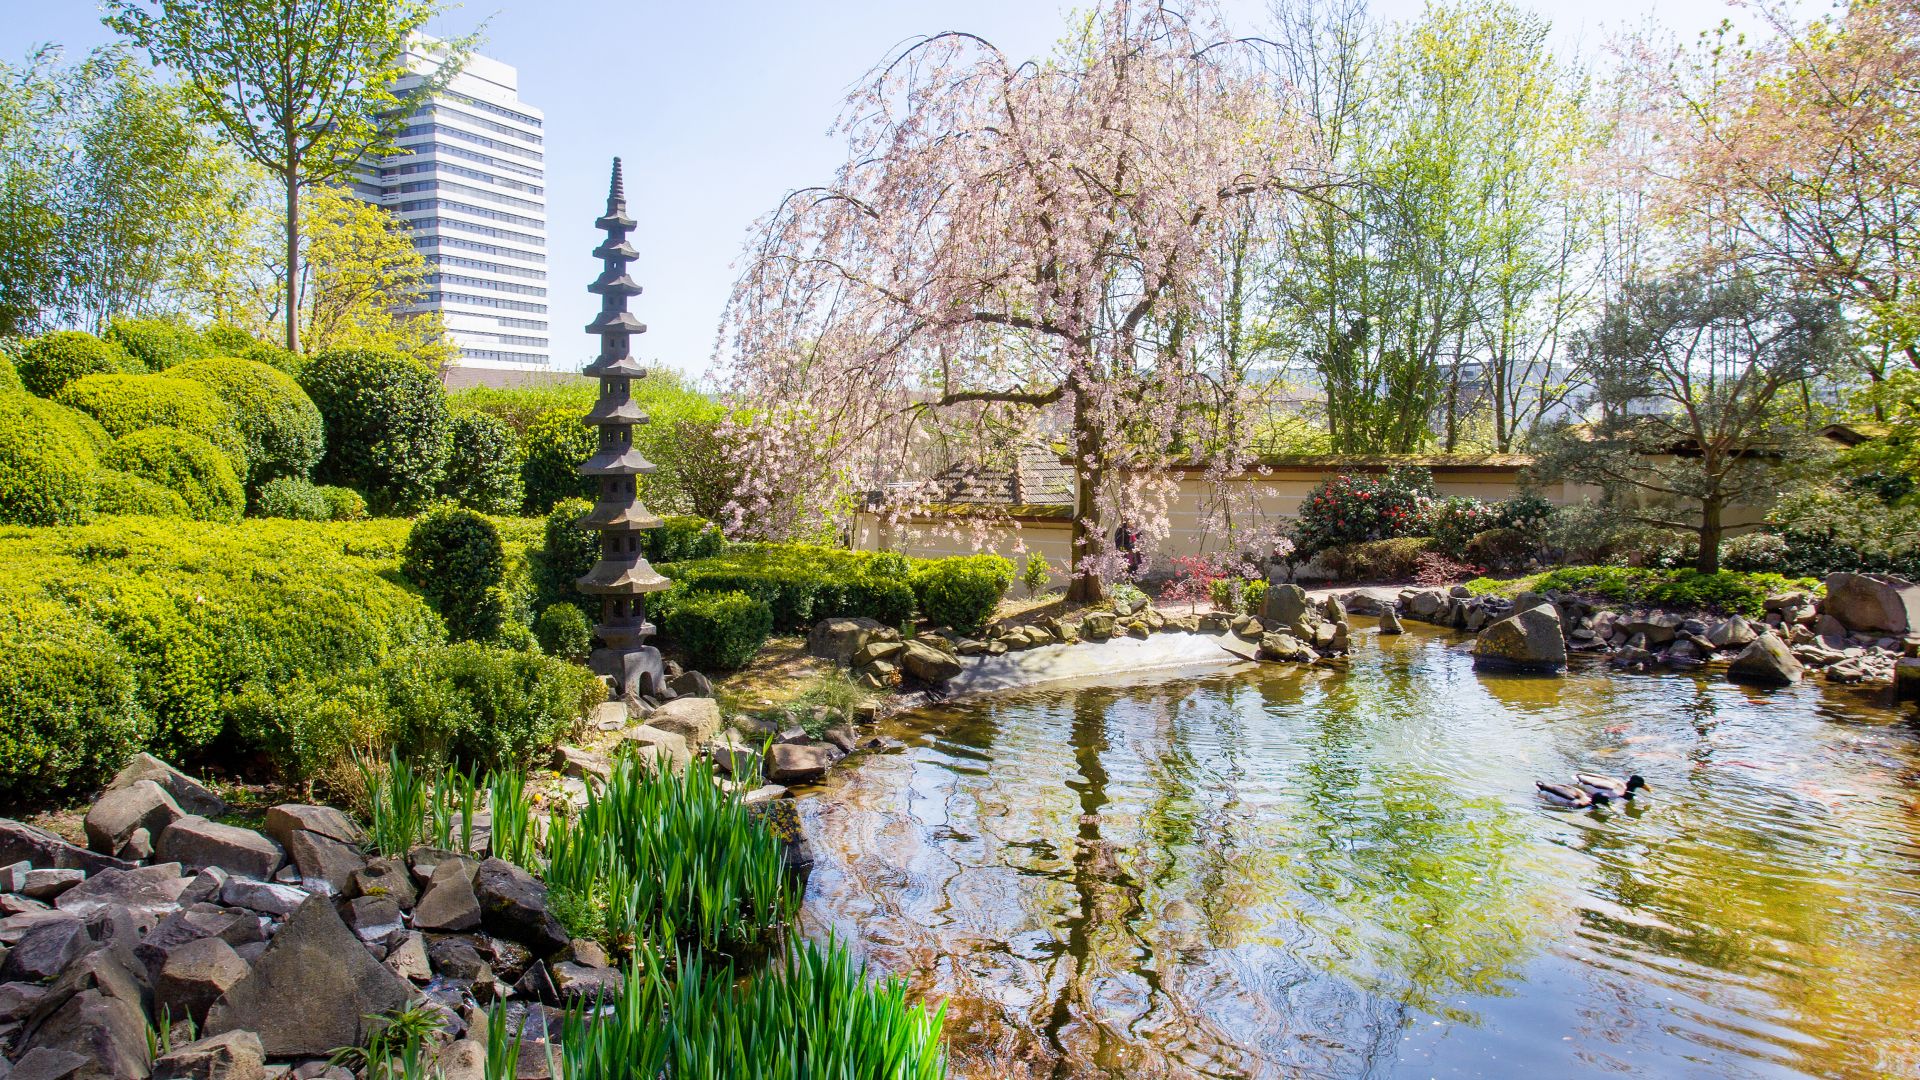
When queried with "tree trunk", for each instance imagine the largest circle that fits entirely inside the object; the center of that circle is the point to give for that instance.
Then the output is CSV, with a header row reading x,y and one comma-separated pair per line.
x,y
293,264
1711,529
1086,586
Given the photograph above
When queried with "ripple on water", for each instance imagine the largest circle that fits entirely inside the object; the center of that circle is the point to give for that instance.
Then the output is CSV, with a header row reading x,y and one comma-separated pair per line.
x,y
1286,872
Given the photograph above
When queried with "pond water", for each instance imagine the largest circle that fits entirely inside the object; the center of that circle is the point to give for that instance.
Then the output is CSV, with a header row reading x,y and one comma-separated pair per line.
x,y
1278,871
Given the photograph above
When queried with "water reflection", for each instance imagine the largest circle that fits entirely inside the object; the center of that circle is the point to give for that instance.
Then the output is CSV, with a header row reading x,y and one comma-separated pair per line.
x,y
1276,872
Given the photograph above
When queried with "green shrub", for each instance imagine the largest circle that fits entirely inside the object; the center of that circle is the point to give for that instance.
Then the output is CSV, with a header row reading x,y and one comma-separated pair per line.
x,y
483,464
566,553
1458,519
10,376
279,426
69,714
128,403
48,457
682,537
293,498
1755,552
343,503
385,418
126,494
51,361
157,344
1503,549
887,599
1378,560
1727,591
716,630
455,557
563,631
223,340
1354,508
962,593
555,444
185,464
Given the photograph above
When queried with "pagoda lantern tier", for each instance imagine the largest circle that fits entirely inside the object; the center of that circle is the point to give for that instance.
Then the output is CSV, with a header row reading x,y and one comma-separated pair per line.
x,y
621,579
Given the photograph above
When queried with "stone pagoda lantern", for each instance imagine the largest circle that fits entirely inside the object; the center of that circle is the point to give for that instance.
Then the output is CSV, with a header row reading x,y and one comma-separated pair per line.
x,y
622,579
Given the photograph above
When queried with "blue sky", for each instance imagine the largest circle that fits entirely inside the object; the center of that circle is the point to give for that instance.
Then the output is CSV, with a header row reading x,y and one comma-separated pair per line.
x,y
721,107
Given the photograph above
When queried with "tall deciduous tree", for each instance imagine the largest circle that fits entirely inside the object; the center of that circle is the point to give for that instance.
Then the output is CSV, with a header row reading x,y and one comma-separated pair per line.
x,y
1689,373
1006,248
305,88
363,272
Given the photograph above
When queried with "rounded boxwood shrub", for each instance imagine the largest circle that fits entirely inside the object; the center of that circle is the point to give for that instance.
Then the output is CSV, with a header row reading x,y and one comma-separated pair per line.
x,y
48,456
278,424
563,631
962,593
69,713
292,497
51,361
483,464
682,537
185,464
9,376
157,343
343,503
125,494
224,340
717,630
127,403
385,418
566,554
455,557
888,599
555,444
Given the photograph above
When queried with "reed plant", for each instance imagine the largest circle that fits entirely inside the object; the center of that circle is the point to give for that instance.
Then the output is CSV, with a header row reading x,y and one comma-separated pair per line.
x,y
514,838
396,803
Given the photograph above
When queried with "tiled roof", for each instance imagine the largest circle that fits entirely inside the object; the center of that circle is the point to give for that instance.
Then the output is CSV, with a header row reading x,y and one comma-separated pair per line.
x,y
1037,477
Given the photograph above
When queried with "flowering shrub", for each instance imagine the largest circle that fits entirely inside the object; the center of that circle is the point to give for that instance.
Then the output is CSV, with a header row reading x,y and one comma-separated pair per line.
x,y
1196,580
1352,508
1458,519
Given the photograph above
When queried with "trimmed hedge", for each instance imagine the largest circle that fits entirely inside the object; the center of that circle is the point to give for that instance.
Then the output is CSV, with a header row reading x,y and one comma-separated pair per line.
x,y
130,494
682,537
48,457
293,498
386,424
483,464
564,631
961,593
804,583
69,706
343,503
157,343
279,426
185,464
1726,591
555,443
455,557
10,376
1379,560
51,361
567,552
128,403
716,630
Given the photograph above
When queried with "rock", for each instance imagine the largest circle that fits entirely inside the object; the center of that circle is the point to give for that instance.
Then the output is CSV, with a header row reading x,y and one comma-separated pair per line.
x,y
326,865
928,664
1097,625
148,892
839,639
18,1000
448,903
205,886
236,1055
458,958
193,976
1659,627
1284,647
513,904
138,848
372,918
842,737
409,958
877,650
41,1063
1766,660
764,793
120,812
462,1059
195,842
288,818
1906,679
695,719
1216,622
234,926
734,756
1731,633
46,950
192,796
788,763
583,764
1287,607
314,989
574,982
49,884
1528,640
20,842
668,746
1423,603
108,1031
384,876
1873,602
1390,621
263,896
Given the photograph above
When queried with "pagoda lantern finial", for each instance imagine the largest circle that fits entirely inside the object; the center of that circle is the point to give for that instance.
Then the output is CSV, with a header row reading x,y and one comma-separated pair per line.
x,y
622,579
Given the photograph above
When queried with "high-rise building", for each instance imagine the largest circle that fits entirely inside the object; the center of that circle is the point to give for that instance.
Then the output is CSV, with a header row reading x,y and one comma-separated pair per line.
x,y
469,181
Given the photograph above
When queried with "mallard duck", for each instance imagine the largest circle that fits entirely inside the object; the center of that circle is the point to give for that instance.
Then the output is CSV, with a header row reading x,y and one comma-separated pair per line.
x,y
1565,795
1602,786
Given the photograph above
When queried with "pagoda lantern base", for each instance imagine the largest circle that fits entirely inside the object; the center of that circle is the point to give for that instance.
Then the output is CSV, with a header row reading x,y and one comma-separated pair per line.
x,y
635,672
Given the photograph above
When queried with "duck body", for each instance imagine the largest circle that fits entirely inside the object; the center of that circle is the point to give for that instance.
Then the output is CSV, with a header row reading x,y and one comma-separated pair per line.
x,y
1564,795
1602,786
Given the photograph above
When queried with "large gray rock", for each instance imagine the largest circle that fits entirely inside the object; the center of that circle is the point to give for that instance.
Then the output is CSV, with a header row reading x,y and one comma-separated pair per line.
x,y
288,818
669,747
266,897
106,1030
694,719
385,876
929,664
793,763
21,842
1390,620
1873,602
1528,640
195,842
1732,633
194,976
234,926
448,904
325,864
236,1055
46,950
313,990
1766,661
41,1063
147,892
513,905
116,815
191,794
1287,608
839,639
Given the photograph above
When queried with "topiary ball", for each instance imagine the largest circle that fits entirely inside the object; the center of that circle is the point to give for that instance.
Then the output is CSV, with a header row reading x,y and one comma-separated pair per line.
x,y
51,361
157,343
563,631
386,424
294,498
455,557
185,464
483,464
69,713
278,424
48,456
343,504
124,404
128,495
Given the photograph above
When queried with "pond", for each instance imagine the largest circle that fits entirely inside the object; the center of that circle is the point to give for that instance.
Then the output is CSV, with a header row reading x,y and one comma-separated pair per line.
x,y
1279,871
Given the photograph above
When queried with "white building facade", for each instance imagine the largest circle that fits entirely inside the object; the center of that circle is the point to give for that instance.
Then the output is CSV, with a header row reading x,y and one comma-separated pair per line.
x,y
469,182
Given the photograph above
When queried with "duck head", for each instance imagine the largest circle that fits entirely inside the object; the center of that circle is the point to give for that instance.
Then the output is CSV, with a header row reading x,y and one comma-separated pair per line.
x,y
1636,782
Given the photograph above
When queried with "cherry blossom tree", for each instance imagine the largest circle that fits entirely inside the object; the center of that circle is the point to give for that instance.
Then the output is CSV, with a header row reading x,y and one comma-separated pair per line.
x,y
1018,254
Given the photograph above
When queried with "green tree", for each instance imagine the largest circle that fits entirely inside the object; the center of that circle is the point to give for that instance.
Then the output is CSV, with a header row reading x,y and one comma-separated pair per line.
x,y
304,88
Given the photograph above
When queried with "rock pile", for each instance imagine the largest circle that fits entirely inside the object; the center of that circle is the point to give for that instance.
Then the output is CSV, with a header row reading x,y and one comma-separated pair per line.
x,y
258,953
